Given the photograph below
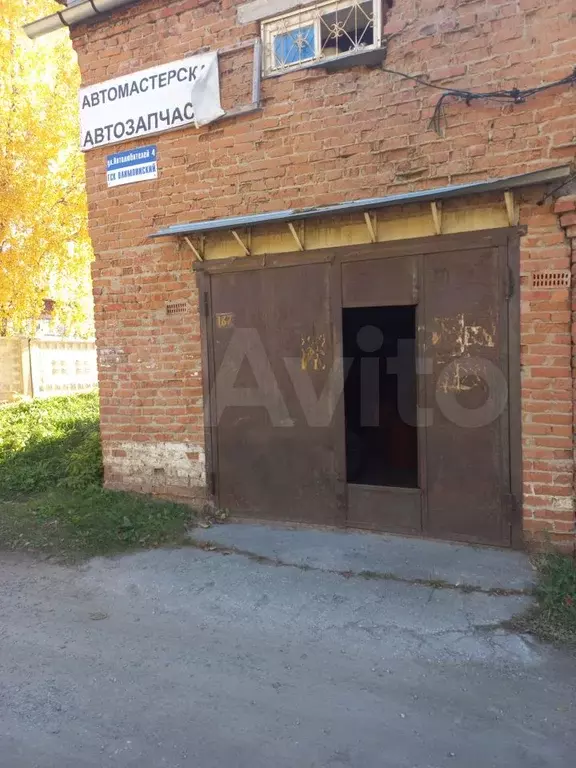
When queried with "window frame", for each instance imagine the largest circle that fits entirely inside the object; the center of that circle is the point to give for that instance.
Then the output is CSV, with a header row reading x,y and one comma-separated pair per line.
x,y
306,16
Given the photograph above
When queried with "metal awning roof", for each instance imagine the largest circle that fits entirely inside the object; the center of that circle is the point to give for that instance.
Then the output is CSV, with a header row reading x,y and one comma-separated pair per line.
x,y
369,204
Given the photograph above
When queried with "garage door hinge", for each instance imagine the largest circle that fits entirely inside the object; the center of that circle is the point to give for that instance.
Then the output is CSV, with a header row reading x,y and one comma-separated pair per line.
x,y
206,304
211,483
509,284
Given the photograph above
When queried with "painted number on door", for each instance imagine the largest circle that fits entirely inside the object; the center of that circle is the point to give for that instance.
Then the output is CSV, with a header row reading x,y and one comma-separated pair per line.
x,y
225,320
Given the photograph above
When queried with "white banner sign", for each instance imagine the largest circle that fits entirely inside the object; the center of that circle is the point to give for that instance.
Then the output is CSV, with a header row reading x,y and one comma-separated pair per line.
x,y
185,92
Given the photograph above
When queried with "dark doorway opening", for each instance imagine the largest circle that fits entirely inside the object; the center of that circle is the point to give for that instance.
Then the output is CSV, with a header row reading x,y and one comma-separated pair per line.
x,y
379,345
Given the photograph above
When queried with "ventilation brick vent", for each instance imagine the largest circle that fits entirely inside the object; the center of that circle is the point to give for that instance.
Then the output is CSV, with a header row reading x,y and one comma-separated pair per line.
x,y
177,308
551,279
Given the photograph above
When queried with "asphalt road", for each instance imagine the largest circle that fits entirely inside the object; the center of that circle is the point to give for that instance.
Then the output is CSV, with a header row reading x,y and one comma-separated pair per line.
x,y
205,660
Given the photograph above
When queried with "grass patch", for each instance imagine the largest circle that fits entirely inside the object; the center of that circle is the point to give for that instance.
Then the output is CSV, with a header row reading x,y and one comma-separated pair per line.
x,y
51,497
554,617
91,522
49,443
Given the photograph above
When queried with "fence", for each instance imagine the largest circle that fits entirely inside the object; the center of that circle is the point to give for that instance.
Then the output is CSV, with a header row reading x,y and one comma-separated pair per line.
x,y
45,367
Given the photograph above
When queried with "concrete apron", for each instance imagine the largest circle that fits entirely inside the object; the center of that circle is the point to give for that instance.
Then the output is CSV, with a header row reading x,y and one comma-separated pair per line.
x,y
370,555
454,601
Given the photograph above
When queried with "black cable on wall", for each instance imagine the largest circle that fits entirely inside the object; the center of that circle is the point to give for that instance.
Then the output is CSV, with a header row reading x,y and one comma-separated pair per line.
x,y
513,96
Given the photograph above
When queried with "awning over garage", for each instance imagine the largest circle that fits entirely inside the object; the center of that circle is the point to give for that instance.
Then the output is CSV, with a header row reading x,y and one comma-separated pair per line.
x,y
505,185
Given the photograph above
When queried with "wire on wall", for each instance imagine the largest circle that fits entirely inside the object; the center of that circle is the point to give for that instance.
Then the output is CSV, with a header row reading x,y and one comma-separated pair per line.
x,y
513,96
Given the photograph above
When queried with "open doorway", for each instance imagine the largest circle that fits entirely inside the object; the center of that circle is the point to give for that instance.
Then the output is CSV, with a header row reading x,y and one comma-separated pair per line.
x,y
379,345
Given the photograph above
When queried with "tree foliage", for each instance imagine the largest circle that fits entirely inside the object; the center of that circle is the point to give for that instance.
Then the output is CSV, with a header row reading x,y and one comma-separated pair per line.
x,y
45,249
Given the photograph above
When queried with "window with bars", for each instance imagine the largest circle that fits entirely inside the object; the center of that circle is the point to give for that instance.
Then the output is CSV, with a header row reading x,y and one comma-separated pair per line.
x,y
320,31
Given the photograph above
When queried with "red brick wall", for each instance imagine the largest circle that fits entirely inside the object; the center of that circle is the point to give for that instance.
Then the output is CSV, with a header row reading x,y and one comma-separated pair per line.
x,y
324,138
547,385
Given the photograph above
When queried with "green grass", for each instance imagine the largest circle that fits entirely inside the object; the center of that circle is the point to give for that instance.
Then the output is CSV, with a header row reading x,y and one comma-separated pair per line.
x,y
554,617
51,496
50,443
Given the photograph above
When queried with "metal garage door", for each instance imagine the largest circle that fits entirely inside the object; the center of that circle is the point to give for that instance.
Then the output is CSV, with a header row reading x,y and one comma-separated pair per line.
x,y
276,380
272,400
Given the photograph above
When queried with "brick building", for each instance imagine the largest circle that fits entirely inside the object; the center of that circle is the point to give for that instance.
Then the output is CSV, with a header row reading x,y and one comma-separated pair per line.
x,y
323,202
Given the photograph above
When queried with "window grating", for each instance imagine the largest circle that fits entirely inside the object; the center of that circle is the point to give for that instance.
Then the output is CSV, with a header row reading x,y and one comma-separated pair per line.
x,y
561,279
320,31
177,308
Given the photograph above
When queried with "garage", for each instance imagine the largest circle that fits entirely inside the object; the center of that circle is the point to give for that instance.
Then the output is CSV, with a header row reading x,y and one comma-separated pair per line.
x,y
369,386
360,361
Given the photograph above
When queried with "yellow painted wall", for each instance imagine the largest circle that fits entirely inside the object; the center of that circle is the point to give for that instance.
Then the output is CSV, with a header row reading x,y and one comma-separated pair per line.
x,y
399,223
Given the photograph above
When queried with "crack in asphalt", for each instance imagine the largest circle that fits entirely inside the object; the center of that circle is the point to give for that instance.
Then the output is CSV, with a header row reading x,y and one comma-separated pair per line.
x,y
212,546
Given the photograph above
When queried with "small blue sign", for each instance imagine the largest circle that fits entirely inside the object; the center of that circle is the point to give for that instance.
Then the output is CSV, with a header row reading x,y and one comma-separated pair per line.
x,y
140,164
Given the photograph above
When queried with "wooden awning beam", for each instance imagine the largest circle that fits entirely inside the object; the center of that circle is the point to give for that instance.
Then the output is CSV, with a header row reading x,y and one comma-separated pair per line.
x,y
240,242
296,236
436,208
199,256
512,208
370,224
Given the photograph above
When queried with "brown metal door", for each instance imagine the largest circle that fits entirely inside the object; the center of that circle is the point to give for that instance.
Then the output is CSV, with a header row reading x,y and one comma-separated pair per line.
x,y
465,366
273,393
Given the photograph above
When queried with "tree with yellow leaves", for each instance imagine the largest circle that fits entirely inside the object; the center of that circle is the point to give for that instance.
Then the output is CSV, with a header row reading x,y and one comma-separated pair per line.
x,y
45,249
